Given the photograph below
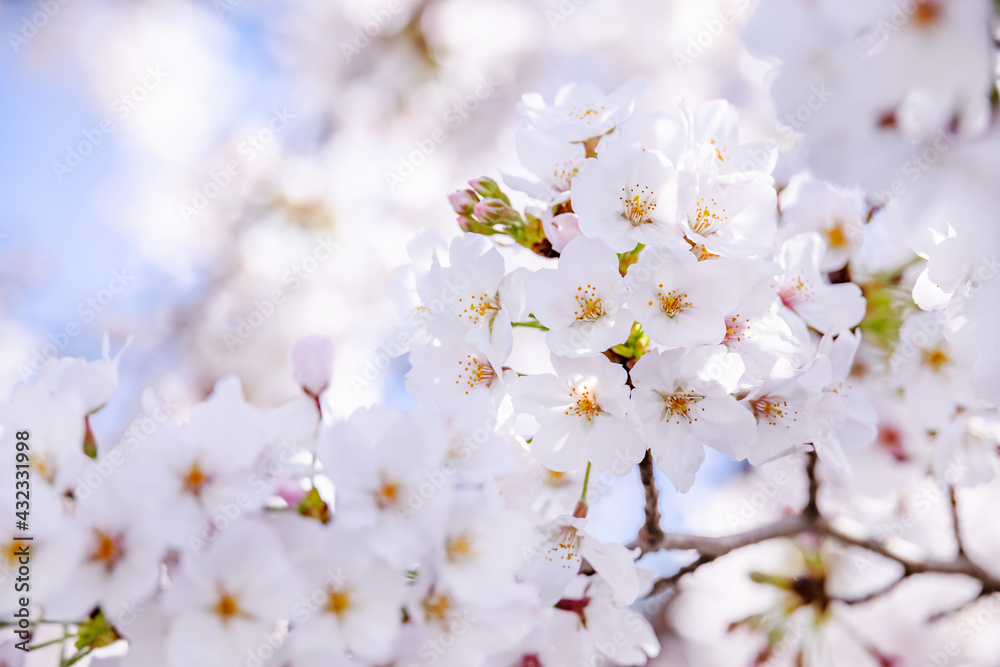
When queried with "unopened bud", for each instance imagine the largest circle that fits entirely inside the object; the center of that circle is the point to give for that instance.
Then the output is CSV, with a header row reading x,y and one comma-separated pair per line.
x,y
494,211
488,189
463,201
311,361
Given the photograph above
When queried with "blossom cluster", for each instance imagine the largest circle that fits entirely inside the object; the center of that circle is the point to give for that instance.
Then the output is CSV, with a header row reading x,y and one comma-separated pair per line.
x,y
662,287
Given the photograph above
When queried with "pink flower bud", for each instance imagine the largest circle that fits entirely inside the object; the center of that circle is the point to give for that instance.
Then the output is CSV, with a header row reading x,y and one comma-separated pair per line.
x,y
290,491
488,188
561,229
312,358
463,201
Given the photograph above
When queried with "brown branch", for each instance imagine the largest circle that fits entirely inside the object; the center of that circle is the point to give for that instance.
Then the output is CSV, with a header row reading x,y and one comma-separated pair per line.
x,y
808,521
715,547
720,546
811,510
650,533
671,581
877,593
954,521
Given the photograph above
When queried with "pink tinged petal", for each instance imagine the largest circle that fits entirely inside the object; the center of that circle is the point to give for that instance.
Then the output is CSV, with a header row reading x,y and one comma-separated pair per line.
x,y
312,358
561,229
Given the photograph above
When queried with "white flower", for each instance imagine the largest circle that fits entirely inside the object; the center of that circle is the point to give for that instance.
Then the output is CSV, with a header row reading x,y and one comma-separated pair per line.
x,y
115,552
93,382
457,374
934,375
846,416
825,307
476,547
447,629
966,450
470,295
626,197
582,111
229,600
582,413
555,162
732,220
754,328
680,301
714,148
312,357
784,405
608,631
387,471
558,552
838,215
198,468
352,598
582,301
684,400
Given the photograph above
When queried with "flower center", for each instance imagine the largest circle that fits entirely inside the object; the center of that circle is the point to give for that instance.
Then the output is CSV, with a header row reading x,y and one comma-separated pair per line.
x,y
672,303
475,372
227,607
11,553
585,403
772,410
588,305
890,438
679,405
436,607
44,465
388,494
479,308
564,173
706,220
796,291
338,601
720,153
460,547
736,328
836,237
108,549
927,13
195,480
586,113
936,359
555,479
566,547
639,203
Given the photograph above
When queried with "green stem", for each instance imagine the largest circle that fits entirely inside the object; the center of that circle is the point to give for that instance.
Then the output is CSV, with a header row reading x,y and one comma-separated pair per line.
x,y
80,655
535,324
586,481
50,642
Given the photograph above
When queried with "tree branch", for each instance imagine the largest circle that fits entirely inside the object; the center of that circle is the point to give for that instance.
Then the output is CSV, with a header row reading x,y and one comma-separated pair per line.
x,y
711,548
954,521
650,533
811,510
